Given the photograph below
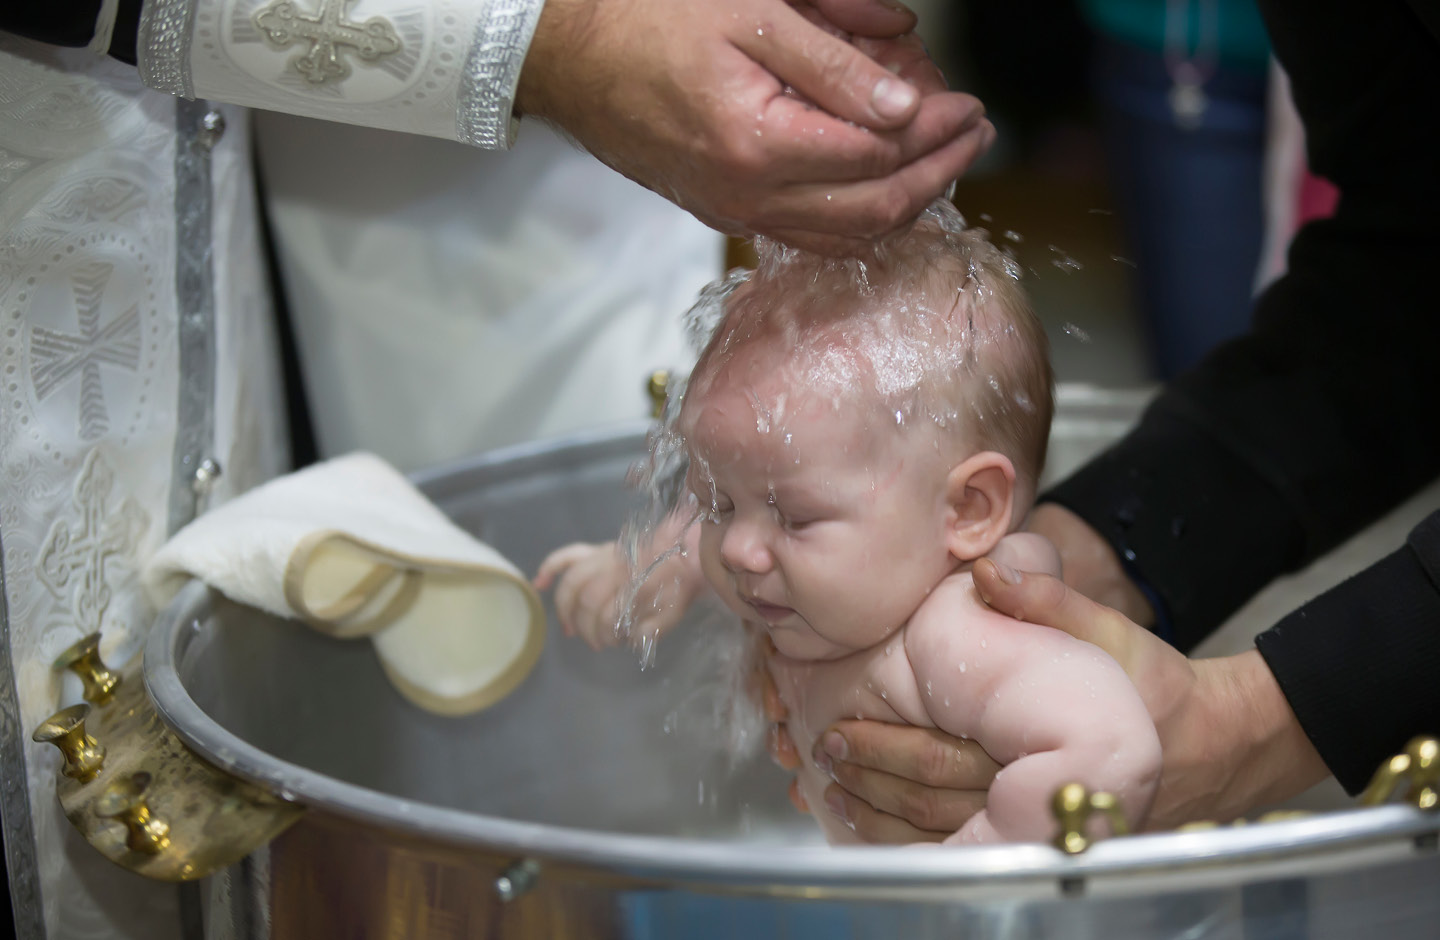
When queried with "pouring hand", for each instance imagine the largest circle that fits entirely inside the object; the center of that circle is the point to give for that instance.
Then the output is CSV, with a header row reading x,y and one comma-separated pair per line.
x,y
1229,739
690,100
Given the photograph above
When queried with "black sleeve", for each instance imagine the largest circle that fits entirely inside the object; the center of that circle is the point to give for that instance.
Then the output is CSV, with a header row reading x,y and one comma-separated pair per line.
x,y
1286,441
72,23
1359,664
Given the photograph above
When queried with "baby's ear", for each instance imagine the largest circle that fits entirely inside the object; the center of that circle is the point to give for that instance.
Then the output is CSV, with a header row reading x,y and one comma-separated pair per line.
x,y
980,497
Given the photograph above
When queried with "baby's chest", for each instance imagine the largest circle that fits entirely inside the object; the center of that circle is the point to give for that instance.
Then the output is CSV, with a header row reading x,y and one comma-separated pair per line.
x,y
877,684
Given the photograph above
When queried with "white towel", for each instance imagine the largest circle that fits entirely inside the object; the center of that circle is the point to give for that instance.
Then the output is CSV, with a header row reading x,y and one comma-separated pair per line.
x,y
350,547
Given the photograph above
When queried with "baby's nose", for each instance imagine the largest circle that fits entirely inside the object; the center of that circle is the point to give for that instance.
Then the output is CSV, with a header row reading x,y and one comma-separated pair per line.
x,y
743,549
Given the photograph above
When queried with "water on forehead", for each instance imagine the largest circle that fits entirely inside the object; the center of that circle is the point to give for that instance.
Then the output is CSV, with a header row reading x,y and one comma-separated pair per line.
x,y
773,421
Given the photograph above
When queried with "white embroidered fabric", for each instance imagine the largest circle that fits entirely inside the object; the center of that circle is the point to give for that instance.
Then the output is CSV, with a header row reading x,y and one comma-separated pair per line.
x,y
88,392
442,68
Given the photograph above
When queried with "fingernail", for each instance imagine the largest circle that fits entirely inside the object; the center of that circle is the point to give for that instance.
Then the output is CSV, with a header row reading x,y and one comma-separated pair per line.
x,y
835,745
1007,574
823,762
835,803
891,97
894,5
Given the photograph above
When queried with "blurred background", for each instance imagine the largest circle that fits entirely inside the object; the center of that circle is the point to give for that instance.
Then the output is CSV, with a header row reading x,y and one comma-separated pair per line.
x,y
1128,174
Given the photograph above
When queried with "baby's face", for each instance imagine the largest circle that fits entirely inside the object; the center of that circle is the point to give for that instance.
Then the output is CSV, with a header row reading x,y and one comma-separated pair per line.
x,y
826,532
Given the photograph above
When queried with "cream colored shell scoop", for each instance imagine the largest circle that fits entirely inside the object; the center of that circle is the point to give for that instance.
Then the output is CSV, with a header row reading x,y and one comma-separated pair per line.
x,y
353,549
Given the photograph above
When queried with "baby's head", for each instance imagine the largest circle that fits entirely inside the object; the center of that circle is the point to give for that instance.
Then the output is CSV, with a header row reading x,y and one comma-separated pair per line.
x,y
857,431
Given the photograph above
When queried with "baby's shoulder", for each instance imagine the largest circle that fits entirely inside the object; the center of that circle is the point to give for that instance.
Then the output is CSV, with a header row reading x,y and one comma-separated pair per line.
x,y
952,603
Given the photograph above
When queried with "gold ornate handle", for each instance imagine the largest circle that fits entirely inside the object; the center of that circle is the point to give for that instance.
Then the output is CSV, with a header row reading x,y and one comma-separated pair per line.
x,y
124,799
1417,769
1073,805
658,385
66,730
83,659
183,818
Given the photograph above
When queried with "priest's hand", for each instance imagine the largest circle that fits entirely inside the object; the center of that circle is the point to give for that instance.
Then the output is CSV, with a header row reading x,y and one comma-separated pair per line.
x,y
822,123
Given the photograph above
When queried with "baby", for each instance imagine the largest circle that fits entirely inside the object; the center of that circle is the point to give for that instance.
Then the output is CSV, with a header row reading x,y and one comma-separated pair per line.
x,y
858,435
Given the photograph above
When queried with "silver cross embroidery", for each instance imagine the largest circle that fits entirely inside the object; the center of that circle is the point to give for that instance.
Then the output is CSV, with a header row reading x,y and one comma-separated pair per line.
x,y
58,356
77,555
329,34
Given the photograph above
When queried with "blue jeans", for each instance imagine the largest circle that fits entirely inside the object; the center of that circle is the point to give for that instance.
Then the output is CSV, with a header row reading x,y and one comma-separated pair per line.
x,y
1190,200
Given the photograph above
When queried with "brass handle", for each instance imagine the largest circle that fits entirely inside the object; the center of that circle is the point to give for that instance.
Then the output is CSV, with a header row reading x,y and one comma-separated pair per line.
x,y
658,385
124,800
1418,767
66,730
1073,806
179,817
83,659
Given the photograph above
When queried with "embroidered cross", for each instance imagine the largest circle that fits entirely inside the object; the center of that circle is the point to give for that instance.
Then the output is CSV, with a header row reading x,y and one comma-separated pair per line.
x,y
77,555
329,35
58,356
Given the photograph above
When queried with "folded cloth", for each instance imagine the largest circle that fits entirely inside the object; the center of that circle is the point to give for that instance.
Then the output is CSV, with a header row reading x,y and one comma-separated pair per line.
x,y
351,548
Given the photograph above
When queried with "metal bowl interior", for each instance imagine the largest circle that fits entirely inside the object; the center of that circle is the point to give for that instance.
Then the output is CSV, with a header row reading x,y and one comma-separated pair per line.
x,y
598,763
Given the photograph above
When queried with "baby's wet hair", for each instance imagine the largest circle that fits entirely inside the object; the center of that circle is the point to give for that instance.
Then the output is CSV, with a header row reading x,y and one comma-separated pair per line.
x,y
932,331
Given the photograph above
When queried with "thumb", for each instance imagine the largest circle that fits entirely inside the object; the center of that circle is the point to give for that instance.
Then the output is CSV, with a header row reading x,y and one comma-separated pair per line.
x,y
1050,602
830,72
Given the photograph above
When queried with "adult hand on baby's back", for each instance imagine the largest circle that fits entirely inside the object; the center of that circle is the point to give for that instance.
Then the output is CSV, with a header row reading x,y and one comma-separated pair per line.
x,y
709,104
1229,740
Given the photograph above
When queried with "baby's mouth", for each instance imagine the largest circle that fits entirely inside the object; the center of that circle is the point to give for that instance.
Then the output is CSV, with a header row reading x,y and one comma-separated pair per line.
x,y
770,613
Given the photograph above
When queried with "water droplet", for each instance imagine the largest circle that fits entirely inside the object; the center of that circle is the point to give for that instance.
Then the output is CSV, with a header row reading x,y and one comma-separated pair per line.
x,y
984,643
1014,236
963,667
1063,261
1072,330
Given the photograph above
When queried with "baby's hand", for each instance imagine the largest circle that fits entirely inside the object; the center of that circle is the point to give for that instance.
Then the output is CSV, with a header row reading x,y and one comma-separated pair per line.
x,y
592,586
594,581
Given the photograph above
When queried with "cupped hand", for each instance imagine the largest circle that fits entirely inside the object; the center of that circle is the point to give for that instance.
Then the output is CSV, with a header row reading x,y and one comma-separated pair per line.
x,y
1229,739
759,116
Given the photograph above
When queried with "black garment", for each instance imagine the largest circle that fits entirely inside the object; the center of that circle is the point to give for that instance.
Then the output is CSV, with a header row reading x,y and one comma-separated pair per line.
x,y
72,23
1286,441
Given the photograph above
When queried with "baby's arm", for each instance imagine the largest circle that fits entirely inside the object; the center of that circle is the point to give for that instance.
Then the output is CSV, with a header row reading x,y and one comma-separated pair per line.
x,y
1048,707
594,580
